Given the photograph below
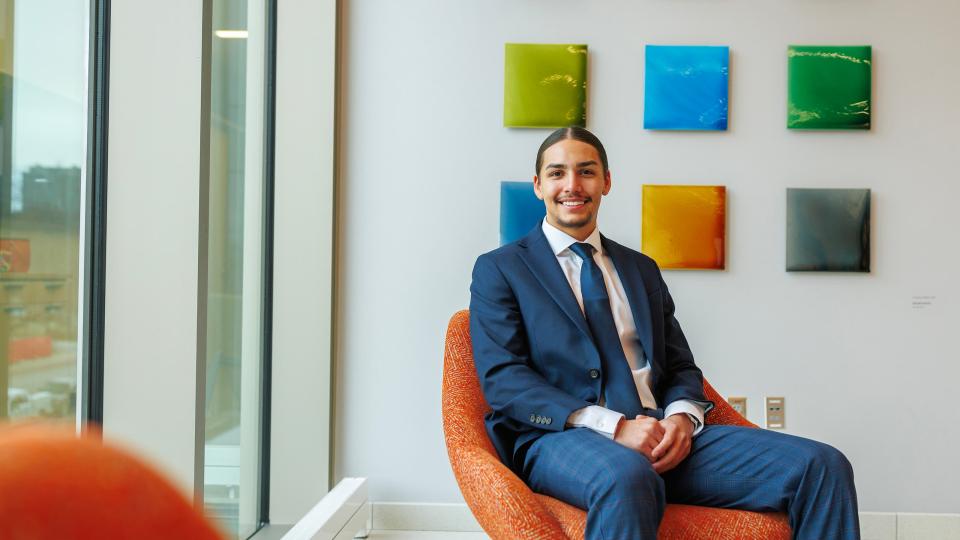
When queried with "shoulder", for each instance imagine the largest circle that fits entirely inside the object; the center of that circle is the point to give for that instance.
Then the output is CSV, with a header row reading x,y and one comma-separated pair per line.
x,y
497,257
645,263
496,263
493,278
506,250
508,254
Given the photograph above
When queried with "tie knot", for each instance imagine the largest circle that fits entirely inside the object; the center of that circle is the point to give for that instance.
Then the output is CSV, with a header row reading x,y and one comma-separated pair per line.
x,y
583,250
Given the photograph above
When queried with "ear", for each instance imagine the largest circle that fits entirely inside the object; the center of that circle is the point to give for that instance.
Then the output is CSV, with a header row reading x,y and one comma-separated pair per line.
x,y
606,182
536,187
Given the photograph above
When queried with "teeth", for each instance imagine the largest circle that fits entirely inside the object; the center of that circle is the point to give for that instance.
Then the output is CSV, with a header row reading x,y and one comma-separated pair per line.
x,y
572,203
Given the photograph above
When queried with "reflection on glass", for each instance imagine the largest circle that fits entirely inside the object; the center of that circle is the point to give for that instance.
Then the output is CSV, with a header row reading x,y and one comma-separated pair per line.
x,y
235,283
43,47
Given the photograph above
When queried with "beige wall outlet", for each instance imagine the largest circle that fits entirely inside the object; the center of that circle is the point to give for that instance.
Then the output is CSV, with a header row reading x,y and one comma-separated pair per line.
x,y
775,415
739,404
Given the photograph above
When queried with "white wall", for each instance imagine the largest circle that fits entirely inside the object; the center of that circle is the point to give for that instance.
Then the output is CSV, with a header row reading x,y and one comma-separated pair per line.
x,y
303,257
153,218
425,151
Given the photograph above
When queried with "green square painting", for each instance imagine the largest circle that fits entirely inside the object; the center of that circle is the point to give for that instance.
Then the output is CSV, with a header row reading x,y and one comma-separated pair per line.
x,y
545,86
828,87
828,230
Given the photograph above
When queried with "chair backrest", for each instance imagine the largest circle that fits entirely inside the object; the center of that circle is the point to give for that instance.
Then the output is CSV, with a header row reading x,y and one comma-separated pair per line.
x,y
54,484
464,405
723,412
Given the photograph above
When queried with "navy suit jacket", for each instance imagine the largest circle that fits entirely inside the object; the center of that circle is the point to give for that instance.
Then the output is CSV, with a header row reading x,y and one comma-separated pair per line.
x,y
533,350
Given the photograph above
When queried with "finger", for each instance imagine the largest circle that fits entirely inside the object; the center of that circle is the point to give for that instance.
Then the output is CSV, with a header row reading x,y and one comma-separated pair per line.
x,y
678,453
665,444
659,426
645,446
668,461
647,452
677,449
651,427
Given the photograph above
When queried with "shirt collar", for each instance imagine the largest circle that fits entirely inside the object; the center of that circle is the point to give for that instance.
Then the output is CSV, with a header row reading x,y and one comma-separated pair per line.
x,y
560,241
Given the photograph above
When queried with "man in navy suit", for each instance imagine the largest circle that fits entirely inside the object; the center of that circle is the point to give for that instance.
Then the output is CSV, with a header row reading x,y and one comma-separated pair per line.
x,y
596,397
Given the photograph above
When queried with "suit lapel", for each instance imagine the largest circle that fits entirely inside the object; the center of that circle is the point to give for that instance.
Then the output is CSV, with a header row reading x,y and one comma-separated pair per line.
x,y
539,257
636,292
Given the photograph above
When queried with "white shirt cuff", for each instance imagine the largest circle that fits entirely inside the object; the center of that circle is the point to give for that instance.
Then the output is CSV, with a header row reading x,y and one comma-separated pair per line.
x,y
691,409
599,419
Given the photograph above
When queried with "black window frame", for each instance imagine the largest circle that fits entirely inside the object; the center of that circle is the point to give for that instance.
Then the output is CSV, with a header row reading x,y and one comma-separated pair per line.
x,y
95,199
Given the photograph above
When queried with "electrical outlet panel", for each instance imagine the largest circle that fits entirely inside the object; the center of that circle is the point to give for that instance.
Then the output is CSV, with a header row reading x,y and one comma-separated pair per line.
x,y
739,404
775,417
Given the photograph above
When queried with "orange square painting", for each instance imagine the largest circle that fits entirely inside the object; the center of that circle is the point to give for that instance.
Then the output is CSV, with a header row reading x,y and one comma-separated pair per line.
x,y
685,226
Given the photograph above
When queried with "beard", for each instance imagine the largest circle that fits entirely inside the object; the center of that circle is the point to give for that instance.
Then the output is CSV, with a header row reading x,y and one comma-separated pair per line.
x,y
575,222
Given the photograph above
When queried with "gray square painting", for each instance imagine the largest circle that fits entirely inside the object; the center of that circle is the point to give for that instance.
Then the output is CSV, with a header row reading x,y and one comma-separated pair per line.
x,y
828,230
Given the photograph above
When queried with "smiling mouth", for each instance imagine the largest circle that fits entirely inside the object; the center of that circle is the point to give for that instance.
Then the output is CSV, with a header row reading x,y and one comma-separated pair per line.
x,y
573,203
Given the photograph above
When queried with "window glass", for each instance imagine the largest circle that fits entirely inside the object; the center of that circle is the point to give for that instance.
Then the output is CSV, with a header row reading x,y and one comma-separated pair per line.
x,y
235,261
43,130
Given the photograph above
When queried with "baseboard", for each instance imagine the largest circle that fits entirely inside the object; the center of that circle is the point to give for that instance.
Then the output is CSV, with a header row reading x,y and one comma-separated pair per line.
x,y
451,517
447,517
878,526
928,526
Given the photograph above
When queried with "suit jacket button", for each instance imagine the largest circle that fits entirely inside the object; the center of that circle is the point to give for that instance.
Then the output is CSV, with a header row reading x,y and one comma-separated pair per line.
x,y
548,420
594,374
533,418
539,419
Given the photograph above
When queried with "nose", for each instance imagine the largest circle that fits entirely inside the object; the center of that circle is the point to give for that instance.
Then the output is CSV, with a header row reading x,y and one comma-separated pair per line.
x,y
573,183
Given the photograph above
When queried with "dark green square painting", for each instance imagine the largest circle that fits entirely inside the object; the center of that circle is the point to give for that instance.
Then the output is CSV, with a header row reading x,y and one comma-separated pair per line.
x,y
829,87
545,86
828,230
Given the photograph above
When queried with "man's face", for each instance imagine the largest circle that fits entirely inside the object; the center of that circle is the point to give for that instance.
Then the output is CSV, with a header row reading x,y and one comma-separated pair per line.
x,y
571,182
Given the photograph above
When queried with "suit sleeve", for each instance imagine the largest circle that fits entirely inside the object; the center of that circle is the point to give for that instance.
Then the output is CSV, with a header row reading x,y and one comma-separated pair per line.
x,y
501,353
684,379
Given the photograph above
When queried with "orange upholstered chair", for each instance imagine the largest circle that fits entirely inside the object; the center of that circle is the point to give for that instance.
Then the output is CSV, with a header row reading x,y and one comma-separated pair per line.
x,y
56,485
508,510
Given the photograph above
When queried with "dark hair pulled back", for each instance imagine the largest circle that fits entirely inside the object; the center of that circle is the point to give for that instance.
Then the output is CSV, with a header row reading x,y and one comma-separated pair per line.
x,y
576,133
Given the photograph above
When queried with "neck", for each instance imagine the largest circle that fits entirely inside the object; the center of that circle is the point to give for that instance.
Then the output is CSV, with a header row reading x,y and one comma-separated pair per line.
x,y
580,233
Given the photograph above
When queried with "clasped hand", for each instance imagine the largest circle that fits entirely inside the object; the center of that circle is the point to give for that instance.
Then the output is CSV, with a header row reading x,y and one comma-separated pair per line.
x,y
664,442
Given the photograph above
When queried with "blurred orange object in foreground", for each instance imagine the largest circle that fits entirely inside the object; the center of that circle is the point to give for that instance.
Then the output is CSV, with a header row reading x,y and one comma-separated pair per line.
x,y
57,485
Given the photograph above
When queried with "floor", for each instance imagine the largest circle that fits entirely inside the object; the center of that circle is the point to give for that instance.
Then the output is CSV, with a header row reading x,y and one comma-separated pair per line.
x,y
425,535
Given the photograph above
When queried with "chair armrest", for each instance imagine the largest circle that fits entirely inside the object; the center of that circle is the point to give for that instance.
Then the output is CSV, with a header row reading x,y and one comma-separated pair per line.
x,y
722,412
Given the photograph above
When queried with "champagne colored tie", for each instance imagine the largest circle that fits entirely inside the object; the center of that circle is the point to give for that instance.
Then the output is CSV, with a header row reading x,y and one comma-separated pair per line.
x,y
619,388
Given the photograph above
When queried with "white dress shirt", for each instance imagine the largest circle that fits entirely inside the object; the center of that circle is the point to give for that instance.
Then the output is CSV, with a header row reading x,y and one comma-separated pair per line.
x,y
597,417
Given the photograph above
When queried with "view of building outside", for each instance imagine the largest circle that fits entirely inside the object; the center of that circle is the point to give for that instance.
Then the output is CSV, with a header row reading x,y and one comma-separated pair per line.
x,y
235,263
43,152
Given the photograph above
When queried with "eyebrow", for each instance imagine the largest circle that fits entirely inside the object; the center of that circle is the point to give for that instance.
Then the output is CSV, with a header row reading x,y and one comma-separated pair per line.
x,y
562,166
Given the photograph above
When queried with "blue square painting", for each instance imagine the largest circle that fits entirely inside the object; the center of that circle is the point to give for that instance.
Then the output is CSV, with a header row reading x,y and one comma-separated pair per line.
x,y
520,210
686,87
828,230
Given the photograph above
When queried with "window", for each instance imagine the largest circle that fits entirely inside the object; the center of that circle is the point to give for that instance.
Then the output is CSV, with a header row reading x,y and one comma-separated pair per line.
x,y
237,278
43,156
